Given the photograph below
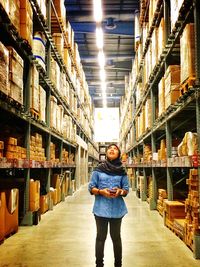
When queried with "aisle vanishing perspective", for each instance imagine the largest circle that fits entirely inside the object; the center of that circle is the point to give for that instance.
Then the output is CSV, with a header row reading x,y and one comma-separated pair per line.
x,y
65,237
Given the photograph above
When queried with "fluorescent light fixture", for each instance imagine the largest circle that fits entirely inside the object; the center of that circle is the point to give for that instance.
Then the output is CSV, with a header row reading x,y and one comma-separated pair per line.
x,y
104,103
98,14
101,59
103,87
102,75
99,38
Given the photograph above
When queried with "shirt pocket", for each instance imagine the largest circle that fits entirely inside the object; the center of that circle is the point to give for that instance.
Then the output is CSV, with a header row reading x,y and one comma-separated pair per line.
x,y
104,180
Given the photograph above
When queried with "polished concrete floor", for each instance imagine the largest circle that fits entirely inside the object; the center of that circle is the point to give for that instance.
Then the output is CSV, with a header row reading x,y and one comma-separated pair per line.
x,y
65,237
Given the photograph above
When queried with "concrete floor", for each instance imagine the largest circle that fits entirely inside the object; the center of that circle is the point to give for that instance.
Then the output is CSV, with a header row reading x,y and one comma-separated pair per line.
x,y
65,237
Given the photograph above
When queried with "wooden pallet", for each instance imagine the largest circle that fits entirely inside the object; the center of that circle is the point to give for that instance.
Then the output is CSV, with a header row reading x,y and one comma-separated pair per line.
x,y
187,85
34,114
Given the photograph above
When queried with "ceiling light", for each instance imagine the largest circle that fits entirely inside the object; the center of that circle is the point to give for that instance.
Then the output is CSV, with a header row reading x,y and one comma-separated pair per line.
x,y
104,103
97,10
102,75
99,38
103,87
101,59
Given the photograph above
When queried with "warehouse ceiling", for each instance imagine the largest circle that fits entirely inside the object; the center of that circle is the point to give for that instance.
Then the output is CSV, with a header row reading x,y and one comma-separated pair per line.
x,y
118,26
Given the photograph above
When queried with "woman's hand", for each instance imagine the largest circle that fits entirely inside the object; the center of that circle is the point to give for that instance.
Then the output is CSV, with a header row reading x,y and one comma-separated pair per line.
x,y
105,192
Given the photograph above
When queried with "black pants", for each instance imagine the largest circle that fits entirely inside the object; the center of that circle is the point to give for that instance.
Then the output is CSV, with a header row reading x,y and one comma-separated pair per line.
x,y
115,233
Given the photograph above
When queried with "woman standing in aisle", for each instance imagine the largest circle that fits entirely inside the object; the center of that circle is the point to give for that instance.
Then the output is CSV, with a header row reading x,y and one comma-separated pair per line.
x,y
109,184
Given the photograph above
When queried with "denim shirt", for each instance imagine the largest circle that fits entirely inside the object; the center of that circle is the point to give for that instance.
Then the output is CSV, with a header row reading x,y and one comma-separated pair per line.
x,y
108,207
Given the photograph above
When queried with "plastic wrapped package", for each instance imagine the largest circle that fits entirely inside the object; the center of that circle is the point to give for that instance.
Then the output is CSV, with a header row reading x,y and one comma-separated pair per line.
x,y
161,37
42,109
175,8
35,103
161,96
39,44
53,114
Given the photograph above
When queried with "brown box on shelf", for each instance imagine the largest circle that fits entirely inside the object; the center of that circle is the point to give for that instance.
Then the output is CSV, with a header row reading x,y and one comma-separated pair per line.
x,y
34,195
187,52
171,98
26,21
172,78
174,210
60,9
16,93
59,42
9,200
1,145
4,69
54,196
44,203
14,13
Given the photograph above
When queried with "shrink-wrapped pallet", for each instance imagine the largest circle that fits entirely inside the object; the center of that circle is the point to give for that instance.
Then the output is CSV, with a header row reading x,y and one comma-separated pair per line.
x,y
148,114
161,96
42,109
59,121
16,65
172,78
187,51
35,103
154,45
39,44
53,113
26,21
175,8
59,42
55,74
67,59
161,37
4,69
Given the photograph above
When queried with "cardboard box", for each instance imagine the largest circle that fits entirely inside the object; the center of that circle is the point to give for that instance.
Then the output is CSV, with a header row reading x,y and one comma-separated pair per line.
x,y
34,195
172,78
44,203
14,13
175,8
161,37
26,21
187,52
171,98
4,69
42,105
161,96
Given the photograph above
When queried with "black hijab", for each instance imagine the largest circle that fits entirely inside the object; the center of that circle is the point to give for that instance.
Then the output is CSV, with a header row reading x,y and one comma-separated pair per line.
x,y
112,167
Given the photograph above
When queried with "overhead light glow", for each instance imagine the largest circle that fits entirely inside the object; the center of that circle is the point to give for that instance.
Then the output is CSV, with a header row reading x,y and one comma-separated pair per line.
x,y
104,103
103,87
99,38
102,75
101,59
97,10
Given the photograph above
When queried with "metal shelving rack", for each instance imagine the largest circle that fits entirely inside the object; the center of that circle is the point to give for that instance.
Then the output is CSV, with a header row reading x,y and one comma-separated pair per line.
x,y
21,113
178,115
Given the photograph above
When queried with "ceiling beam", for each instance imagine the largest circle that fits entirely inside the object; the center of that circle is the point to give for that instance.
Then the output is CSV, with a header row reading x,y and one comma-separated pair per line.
x,y
122,28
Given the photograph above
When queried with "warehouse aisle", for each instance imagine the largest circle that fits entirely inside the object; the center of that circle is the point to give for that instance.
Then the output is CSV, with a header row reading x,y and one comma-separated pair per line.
x,y
65,238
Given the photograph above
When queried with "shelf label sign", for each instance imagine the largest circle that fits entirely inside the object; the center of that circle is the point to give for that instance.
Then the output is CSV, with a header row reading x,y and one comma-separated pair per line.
x,y
106,127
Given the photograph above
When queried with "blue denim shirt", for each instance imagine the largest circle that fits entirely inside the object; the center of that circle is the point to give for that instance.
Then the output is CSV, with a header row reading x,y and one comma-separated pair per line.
x,y
108,207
